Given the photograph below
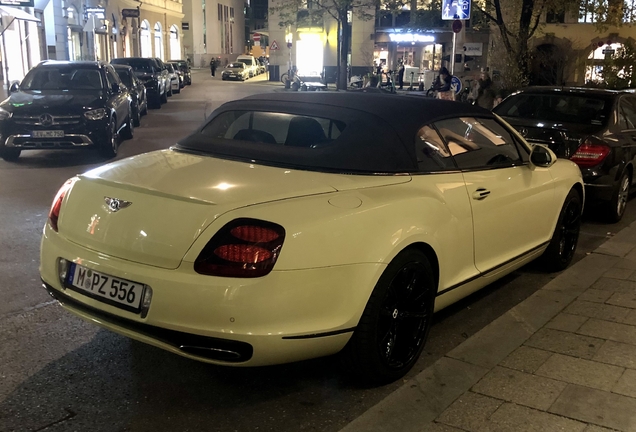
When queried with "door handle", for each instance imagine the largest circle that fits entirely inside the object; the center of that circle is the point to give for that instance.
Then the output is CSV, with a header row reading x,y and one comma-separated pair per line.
x,y
481,193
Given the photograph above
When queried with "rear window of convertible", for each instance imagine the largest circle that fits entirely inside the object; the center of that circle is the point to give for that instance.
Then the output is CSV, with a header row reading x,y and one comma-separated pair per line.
x,y
274,128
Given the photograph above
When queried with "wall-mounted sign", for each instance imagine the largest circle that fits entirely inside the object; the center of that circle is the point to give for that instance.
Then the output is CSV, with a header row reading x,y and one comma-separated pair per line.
x,y
474,49
273,46
455,9
18,3
410,37
185,26
129,13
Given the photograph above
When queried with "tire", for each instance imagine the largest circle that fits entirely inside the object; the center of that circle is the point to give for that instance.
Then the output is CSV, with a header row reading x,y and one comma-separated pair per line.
x,y
145,110
562,247
283,77
178,90
164,98
136,116
618,203
395,323
128,131
430,93
169,91
10,154
109,148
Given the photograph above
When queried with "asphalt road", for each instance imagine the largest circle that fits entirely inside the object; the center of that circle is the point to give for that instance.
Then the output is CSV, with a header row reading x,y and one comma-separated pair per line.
x,y
58,373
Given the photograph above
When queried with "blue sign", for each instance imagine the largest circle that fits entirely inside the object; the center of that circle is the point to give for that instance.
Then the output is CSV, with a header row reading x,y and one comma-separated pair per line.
x,y
455,9
456,84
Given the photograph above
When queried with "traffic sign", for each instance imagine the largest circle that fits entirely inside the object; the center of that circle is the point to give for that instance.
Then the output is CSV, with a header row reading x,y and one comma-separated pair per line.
x,y
456,84
273,46
256,37
457,26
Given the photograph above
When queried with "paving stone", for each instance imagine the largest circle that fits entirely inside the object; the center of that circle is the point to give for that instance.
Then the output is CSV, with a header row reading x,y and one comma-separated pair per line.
x,y
623,299
566,322
597,296
630,318
510,417
606,312
438,427
618,273
618,354
580,371
598,407
519,387
626,384
526,359
609,330
565,343
471,411
594,428
420,400
614,285
580,275
627,263
498,339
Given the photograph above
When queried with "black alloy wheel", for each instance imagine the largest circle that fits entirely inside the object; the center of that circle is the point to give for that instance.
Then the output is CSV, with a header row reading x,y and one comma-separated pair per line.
x,y
136,115
169,90
618,203
110,146
10,154
129,130
395,323
145,110
163,98
562,247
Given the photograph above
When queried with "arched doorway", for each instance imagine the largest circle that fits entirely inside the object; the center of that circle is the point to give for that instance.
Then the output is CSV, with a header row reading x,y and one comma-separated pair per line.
x,y
600,55
159,41
144,39
175,44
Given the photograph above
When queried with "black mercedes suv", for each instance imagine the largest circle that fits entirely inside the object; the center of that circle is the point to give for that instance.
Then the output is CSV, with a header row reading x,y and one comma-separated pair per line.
x,y
66,105
152,74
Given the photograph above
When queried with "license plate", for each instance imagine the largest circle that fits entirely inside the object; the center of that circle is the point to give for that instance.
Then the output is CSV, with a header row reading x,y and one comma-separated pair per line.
x,y
48,134
109,289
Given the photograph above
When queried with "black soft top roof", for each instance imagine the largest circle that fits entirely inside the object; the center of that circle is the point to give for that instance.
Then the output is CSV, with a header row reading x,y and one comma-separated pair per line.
x,y
378,138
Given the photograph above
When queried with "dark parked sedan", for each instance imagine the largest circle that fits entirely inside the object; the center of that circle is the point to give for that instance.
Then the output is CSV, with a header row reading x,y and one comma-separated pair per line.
x,y
184,67
594,128
66,105
152,74
137,92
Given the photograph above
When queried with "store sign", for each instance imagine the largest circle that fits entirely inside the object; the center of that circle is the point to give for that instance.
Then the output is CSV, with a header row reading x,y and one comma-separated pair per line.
x,y
410,37
474,49
18,3
129,13
455,9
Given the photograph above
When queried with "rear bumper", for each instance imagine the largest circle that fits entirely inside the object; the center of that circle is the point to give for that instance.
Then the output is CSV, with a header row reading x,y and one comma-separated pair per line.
x,y
283,317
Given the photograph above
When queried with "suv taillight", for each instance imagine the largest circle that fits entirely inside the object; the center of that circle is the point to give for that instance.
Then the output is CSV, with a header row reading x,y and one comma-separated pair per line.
x,y
591,153
243,248
54,213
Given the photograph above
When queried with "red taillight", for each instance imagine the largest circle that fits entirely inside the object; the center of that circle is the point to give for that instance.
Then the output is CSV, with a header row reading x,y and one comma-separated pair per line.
x,y
243,248
54,213
590,153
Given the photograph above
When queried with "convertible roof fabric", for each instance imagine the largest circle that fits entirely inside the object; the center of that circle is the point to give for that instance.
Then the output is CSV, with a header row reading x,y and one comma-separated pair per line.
x,y
378,139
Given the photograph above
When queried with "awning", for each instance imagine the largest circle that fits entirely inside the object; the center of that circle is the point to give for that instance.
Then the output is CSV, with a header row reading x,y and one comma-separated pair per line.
x,y
6,11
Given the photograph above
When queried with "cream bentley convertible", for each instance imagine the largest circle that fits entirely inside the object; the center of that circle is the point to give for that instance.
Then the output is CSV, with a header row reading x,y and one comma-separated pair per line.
x,y
293,226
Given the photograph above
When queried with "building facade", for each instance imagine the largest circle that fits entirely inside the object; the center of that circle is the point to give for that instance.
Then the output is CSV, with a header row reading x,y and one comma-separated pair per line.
x,y
216,29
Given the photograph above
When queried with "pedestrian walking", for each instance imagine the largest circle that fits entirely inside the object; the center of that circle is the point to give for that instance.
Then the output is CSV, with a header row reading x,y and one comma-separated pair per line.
x,y
212,67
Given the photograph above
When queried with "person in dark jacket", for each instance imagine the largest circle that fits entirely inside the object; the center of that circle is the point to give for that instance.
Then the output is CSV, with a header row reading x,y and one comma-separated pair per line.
x,y
486,94
401,75
212,66
443,85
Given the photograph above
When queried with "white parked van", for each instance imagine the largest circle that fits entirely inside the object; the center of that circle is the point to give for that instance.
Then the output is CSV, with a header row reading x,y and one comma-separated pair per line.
x,y
250,63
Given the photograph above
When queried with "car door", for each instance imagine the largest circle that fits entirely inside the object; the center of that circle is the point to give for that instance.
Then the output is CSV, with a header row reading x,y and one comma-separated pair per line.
x,y
626,131
118,100
512,203
438,172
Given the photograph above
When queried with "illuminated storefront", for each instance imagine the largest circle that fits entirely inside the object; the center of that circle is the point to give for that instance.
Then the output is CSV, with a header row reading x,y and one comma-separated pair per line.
x,y
309,54
418,50
20,44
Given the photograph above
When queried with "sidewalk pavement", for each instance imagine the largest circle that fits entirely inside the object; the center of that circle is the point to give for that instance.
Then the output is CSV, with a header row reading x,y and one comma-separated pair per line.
x,y
562,360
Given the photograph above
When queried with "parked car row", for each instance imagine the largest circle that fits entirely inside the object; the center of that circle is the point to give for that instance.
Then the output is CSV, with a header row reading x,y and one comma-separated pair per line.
x,y
245,67
594,128
68,105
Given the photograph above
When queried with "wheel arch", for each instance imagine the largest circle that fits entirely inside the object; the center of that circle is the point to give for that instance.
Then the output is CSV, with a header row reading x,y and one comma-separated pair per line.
x,y
430,253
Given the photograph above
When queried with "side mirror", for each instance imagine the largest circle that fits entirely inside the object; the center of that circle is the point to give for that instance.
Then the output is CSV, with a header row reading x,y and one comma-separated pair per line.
x,y
14,87
542,156
116,88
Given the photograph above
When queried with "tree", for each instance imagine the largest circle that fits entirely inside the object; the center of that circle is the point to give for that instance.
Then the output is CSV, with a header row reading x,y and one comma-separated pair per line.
x,y
518,22
339,10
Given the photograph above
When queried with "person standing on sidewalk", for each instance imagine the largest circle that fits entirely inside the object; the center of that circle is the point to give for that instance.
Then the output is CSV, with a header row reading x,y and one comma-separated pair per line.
x,y
401,75
212,66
